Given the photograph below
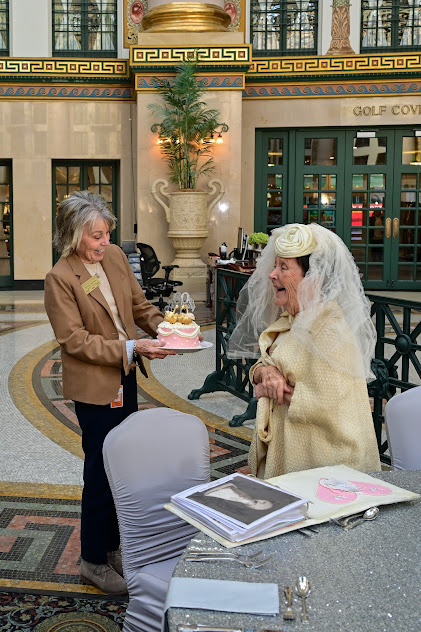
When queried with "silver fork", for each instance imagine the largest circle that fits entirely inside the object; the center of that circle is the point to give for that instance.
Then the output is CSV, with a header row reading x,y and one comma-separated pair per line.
x,y
231,554
206,558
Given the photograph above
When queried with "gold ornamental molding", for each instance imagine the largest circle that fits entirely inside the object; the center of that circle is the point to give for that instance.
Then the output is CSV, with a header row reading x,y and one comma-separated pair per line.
x,y
337,65
193,17
149,57
64,67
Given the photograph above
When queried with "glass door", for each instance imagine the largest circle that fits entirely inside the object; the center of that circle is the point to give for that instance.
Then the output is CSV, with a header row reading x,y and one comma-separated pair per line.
x,y
364,186
405,235
319,179
369,203
6,225
271,180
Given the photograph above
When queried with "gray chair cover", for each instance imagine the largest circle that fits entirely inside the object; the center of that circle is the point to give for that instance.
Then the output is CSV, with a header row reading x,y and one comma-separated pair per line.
x,y
402,417
150,456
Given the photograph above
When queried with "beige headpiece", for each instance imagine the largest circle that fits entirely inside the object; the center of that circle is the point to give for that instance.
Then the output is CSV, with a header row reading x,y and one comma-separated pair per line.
x,y
295,240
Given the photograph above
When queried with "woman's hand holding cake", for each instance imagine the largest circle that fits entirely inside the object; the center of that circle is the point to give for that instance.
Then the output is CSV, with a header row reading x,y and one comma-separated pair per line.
x,y
152,349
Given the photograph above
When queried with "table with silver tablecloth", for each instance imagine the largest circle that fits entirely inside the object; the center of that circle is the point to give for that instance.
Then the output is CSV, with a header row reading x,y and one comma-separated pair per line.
x,y
367,579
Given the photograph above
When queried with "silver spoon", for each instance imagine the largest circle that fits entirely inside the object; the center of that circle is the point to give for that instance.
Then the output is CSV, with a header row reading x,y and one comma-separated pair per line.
x,y
370,514
303,589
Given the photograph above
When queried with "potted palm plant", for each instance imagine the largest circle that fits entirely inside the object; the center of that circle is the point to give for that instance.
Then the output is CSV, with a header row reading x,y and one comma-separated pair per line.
x,y
187,134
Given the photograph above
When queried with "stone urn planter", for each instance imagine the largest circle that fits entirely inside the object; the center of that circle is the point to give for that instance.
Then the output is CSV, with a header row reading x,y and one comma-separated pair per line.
x,y
187,213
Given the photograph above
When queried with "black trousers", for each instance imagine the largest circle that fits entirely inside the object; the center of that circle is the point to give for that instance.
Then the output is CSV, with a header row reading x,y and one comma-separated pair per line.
x,y
99,526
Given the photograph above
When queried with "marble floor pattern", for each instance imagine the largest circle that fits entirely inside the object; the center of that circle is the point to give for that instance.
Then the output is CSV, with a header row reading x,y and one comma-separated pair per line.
x,y
40,452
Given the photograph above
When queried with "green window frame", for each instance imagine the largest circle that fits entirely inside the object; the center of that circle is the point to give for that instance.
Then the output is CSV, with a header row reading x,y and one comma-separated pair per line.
x,y
4,28
285,27
390,25
96,176
84,28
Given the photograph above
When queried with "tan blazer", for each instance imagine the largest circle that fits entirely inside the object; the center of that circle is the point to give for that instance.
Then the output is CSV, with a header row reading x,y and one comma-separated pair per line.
x,y
91,352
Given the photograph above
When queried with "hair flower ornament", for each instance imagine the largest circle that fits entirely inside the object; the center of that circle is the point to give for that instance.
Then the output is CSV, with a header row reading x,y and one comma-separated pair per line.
x,y
295,240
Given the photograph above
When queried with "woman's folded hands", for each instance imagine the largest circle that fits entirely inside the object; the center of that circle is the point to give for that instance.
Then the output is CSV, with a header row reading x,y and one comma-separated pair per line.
x,y
269,382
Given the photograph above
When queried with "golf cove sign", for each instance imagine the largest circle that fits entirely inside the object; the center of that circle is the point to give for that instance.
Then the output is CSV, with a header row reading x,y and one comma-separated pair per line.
x,y
396,110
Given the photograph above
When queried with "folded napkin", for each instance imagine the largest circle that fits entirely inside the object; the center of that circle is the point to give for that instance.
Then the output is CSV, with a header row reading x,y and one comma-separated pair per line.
x,y
221,595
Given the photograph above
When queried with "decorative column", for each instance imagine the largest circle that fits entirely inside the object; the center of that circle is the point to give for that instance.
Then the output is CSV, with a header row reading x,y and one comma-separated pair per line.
x,y
340,44
179,16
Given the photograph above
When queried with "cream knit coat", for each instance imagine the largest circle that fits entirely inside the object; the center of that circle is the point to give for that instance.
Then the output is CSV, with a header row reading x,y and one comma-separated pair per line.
x,y
329,419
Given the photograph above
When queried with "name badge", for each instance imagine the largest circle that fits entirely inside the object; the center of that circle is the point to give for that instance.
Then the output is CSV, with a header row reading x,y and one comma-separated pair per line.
x,y
91,284
118,401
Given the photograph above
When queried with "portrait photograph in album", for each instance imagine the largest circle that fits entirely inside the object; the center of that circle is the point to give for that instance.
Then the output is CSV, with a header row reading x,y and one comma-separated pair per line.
x,y
238,506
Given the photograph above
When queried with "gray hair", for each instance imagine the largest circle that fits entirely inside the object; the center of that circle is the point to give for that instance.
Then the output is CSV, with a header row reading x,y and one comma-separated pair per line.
x,y
73,214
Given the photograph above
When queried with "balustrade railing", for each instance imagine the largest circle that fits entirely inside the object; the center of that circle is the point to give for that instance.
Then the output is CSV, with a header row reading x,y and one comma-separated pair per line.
x,y
230,375
397,363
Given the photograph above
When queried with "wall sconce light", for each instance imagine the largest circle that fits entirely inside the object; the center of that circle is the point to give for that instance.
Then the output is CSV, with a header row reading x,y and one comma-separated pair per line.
x,y
215,136
366,134
221,129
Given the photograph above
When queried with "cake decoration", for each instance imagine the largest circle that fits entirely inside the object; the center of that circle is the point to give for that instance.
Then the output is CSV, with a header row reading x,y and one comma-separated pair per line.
x,y
179,330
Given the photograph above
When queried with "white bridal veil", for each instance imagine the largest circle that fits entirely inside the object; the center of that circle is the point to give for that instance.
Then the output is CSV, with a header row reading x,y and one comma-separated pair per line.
x,y
332,276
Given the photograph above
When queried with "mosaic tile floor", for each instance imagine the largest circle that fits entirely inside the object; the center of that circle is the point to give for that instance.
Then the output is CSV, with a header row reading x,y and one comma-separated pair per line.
x,y
41,457
40,453
41,613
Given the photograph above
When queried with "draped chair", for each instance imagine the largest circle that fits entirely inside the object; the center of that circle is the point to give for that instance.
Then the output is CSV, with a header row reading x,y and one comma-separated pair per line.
x,y
402,417
150,456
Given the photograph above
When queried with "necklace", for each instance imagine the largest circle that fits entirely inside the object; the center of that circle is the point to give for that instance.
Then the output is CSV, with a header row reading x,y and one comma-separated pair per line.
x,y
93,268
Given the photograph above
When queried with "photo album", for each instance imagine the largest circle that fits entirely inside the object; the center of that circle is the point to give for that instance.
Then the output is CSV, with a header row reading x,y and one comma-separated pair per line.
x,y
238,507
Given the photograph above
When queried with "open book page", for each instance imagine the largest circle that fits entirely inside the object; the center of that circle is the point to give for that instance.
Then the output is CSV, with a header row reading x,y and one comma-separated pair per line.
x,y
338,490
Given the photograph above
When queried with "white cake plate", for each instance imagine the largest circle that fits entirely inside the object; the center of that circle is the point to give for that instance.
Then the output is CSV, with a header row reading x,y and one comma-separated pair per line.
x,y
203,345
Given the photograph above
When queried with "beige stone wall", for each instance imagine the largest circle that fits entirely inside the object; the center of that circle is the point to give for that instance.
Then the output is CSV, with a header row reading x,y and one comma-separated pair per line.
x,y
225,217
35,133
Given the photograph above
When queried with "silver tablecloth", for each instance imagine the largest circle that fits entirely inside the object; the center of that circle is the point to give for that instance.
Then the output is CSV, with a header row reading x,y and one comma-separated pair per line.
x,y
367,579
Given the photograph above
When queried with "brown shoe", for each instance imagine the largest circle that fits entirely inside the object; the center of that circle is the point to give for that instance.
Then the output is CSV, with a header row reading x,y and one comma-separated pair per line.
x,y
115,561
103,577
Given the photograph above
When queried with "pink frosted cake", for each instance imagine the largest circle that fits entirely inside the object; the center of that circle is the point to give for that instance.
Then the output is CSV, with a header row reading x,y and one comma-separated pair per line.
x,y
179,331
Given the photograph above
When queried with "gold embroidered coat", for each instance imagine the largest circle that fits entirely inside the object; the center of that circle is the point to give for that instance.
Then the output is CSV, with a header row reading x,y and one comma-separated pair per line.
x,y
329,419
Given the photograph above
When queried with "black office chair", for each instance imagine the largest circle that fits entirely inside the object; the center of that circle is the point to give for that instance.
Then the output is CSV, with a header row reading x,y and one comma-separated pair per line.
x,y
155,287
128,247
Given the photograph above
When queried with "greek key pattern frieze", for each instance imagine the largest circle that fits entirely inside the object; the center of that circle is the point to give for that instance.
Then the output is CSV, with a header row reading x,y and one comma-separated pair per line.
x,y
64,67
170,55
34,92
281,91
148,83
333,65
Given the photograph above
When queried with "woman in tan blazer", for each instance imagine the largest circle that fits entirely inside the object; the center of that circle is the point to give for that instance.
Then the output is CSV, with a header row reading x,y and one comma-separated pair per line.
x,y
94,304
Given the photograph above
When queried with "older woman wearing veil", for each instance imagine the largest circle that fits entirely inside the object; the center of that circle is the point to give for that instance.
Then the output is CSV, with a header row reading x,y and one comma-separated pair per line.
x,y
315,355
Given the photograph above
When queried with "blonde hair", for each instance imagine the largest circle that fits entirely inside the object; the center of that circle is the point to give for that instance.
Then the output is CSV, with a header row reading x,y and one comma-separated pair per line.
x,y
73,214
